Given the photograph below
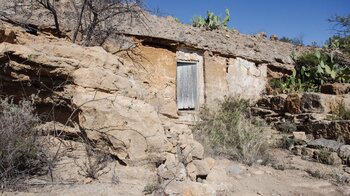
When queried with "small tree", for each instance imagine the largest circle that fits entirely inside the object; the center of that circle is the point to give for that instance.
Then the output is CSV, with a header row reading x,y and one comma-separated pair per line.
x,y
342,38
50,6
96,20
341,24
100,15
296,41
20,11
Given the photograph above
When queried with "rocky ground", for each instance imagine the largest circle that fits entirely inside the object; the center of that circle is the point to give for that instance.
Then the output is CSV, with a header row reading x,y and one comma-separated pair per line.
x,y
290,175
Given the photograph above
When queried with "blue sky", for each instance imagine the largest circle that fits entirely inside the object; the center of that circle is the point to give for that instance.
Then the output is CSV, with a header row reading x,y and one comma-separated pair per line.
x,y
290,18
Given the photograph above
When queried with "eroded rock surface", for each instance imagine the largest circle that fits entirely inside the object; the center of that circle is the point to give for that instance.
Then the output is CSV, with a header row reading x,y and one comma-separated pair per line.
x,y
100,98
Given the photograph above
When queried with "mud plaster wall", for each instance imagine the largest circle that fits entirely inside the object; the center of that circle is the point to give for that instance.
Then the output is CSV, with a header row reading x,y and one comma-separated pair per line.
x,y
156,68
232,77
246,79
218,76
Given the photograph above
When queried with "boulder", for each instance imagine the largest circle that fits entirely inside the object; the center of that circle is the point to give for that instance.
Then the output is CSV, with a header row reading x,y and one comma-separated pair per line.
x,y
211,162
327,157
188,188
193,149
334,159
323,103
202,167
272,102
301,136
311,103
7,36
322,143
335,88
292,104
344,153
277,103
234,170
328,129
174,172
131,129
191,171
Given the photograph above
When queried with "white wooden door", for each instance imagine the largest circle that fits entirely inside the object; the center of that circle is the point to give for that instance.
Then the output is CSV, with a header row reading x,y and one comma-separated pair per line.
x,y
186,85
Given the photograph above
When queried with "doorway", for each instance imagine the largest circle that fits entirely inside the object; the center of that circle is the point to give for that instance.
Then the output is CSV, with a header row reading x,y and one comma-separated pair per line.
x,y
187,85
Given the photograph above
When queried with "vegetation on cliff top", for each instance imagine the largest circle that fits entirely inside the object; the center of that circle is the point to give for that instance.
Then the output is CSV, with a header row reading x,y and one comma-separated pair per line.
x,y
212,21
311,71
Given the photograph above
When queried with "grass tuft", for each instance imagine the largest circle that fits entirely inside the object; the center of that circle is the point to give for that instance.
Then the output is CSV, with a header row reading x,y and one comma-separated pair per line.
x,y
230,131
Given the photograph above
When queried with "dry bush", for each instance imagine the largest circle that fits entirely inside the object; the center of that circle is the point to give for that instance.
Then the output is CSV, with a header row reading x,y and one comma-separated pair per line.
x,y
152,187
340,112
94,164
334,175
231,131
19,148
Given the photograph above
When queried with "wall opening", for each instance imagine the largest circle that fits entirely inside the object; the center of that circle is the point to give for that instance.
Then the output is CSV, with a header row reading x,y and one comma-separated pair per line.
x,y
187,85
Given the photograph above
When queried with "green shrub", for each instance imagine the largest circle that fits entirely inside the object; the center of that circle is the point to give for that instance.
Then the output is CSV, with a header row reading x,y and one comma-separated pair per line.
x,y
212,21
287,142
230,131
19,149
318,68
340,42
198,21
311,71
291,84
177,20
296,41
286,127
323,156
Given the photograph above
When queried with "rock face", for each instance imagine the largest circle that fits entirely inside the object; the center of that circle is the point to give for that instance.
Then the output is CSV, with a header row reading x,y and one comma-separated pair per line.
x,y
328,129
132,127
102,99
307,112
234,64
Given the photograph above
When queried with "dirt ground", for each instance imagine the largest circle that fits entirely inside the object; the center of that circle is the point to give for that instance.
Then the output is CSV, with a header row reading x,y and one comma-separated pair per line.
x,y
286,175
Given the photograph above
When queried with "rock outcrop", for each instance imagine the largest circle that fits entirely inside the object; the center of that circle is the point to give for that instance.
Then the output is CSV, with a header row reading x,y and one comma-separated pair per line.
x,y
307,112
95,95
